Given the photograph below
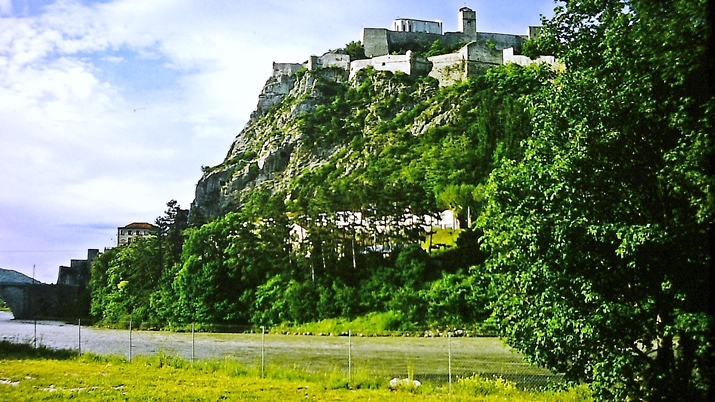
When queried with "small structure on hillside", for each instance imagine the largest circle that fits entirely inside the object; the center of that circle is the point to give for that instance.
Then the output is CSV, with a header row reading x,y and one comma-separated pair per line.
x,y
125,234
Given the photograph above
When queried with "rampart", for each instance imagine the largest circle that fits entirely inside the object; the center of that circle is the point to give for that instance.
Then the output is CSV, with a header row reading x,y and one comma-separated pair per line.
x,y
78,273
470,60
408,63
398,50
329,60
382,41
500,41
286,68
67,299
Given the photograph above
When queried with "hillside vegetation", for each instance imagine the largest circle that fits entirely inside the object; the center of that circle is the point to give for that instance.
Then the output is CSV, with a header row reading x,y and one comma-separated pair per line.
x,y
591,190
386,151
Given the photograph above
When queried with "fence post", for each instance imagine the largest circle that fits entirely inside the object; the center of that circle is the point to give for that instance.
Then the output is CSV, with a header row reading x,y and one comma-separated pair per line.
x,y
263,350
192,343
130,341
79,336
449,361
350,357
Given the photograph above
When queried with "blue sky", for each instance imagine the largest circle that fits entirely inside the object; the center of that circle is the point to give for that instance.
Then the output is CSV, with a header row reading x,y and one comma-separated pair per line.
x,y
108,109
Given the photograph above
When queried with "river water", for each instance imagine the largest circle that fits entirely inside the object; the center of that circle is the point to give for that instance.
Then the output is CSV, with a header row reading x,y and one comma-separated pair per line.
x,y
389,356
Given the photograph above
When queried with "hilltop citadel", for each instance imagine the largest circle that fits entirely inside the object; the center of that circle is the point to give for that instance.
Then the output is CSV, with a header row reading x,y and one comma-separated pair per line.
x,y
394,50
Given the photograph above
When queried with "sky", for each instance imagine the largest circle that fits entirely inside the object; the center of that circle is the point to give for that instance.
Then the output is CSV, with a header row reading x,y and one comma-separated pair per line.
x,y
109,108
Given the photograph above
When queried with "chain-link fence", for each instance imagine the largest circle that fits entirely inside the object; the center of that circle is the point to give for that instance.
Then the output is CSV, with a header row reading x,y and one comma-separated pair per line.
x,y
438,360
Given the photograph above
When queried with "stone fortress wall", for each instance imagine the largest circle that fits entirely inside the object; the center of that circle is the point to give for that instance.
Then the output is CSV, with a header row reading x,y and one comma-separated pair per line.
x,y
391,50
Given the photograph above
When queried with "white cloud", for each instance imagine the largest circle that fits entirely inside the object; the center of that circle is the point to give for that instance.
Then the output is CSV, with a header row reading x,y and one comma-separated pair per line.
x,y
108,109
113,59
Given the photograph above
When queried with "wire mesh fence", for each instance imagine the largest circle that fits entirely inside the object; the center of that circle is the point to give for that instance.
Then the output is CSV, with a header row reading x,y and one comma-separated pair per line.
x,y
437,360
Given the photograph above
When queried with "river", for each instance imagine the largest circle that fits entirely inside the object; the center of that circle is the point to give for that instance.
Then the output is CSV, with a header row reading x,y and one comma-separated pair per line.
x,y
388,356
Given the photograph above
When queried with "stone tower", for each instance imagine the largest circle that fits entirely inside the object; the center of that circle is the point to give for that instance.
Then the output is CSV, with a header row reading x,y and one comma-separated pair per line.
x,y
468,22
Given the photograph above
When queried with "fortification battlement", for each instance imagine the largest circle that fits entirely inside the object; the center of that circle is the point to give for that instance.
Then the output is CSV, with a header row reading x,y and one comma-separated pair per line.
x,y
408,33
392,50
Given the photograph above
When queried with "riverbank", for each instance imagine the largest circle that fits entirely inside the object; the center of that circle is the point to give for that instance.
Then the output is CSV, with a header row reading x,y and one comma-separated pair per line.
x,y
428,359
30,375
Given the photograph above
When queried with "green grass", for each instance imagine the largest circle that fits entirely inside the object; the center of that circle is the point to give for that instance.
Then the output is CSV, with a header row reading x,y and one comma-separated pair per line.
x,y
372,324
27,374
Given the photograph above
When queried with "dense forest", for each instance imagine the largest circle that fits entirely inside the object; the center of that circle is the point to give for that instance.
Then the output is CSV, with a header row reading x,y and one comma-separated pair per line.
x,y
584,196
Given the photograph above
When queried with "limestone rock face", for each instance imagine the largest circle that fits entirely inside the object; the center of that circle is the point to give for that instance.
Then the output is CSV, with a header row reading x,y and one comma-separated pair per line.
x,y
264,153
274,90
310,119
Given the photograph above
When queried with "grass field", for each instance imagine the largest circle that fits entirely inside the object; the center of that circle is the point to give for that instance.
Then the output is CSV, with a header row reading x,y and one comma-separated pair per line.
x,y
27,374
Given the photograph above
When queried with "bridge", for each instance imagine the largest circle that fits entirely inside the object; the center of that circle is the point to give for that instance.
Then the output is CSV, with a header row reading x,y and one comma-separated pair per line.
x,y
40,300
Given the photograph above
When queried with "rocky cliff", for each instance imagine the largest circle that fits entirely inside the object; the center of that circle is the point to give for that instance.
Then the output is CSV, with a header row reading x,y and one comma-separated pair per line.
x,y
371,141
282,140
264,149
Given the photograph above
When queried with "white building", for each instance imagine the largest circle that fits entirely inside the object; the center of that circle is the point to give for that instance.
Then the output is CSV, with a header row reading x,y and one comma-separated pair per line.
x,y
125,234
412,25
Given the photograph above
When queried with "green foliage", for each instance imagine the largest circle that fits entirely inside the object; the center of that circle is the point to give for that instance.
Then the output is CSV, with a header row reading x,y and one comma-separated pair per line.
x,y
222,260
355,50
372,324
598,237
479,386
300,73
123,280
405,149
438,48
531,49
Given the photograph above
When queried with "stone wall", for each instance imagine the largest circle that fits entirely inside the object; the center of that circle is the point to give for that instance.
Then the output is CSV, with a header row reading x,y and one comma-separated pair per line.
x,y
78,273
480,53
510,57
448,68
502,41
329,60
286,68
380,41
409,63
471,59
374,40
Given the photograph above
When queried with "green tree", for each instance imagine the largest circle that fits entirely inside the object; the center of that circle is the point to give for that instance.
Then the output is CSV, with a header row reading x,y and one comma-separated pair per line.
x,y
219,265
355,50
123,280
598,237
171,233
98,281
